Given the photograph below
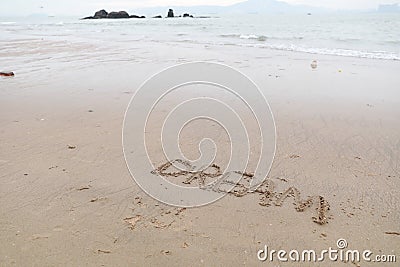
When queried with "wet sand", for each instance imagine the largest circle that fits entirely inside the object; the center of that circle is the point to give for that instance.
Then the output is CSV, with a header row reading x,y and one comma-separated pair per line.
x,y
67,198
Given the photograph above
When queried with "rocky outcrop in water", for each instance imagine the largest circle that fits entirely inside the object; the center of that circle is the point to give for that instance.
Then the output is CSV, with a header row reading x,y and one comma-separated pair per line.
x,y
102,14
170,13
136,17
118,15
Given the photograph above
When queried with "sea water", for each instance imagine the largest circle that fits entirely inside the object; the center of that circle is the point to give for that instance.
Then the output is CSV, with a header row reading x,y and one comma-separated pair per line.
x,y
367,35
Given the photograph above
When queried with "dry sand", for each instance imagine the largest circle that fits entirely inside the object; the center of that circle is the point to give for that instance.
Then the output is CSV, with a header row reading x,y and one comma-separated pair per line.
x,y
337,136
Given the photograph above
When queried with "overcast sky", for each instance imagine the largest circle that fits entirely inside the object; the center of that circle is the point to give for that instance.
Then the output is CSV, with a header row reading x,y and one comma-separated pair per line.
x,y
80,7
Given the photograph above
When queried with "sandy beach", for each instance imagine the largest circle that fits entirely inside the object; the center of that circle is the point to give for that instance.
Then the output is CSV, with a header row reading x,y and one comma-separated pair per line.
x,y
67,197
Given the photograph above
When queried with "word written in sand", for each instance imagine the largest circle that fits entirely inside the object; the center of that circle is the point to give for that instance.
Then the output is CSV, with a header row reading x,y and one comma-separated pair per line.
x,y
241,187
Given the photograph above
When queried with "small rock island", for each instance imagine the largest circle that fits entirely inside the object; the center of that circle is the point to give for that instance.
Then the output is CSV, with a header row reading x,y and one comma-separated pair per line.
x,y
102,14
170,13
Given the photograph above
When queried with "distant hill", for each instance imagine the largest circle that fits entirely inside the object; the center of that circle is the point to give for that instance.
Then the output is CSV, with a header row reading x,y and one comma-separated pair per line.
x,y
269,6
389,8
250,6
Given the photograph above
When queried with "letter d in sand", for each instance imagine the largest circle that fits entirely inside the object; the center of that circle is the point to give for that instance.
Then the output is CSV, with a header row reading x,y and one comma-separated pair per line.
x,y
262,254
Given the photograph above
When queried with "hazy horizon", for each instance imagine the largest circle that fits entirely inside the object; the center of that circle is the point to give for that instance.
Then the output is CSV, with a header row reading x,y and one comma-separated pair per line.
x,y
77,8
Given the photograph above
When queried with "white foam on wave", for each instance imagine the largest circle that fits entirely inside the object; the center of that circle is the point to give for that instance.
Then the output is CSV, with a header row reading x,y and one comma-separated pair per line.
x,y
8,22
253,37
312,50
331,51
250,36
244,36
260,37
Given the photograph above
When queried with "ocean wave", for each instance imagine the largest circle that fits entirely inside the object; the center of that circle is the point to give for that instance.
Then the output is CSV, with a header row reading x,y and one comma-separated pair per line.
x,y
334,51
312,50
391,42
253,37
8,22
231,35
347,39
381,54
260,38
